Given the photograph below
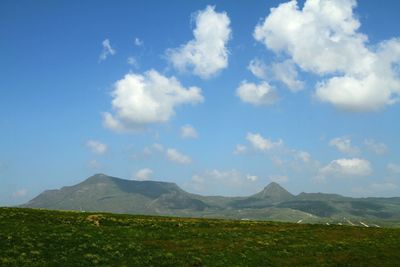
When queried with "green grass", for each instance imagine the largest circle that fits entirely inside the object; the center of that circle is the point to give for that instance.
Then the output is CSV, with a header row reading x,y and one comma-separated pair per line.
x,y
31,237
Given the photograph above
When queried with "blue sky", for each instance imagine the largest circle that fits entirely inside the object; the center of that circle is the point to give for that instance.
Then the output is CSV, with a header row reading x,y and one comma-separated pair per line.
x,y
218,97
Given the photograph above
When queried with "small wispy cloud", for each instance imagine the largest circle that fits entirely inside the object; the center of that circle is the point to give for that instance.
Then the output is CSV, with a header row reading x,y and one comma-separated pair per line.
x,y
375,146
138,42
96,147
188,131
178,157
107,50
133,62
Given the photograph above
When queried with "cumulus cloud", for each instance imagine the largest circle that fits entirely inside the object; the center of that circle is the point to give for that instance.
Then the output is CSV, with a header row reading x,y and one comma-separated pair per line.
x,y
20,193
107,50
188,131
96,147
262,144
323,38
207,53
258,68
177,157
257,94
143,174
376,147
142,99
354,167
286,73
343,144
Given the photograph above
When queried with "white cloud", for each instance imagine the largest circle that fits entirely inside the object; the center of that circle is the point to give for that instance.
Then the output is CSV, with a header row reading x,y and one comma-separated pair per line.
x,y
138,42
178,157
240,149
107,50
354,167
252,178
280,179
257,94
143,174
96,147
393,168
206,54
258,68
260,143
323,38
343,144
142,99
286,73
132,61
302,156
20,193
188,131
150,150
376,147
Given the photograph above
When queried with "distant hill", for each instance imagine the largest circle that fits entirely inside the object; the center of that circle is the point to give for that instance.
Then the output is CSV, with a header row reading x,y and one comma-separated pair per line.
x,y
110,194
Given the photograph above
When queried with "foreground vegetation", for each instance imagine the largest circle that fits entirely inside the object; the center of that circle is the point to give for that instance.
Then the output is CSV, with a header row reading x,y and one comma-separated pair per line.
x,y
30,237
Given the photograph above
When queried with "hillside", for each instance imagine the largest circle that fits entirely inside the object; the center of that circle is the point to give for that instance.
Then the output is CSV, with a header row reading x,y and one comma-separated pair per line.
x,y
30,237
110,194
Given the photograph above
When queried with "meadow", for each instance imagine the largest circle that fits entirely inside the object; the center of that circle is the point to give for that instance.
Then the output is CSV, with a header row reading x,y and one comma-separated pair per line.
x,y
33,237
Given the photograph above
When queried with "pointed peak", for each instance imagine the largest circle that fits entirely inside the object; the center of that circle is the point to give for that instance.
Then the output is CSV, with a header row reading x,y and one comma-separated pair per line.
x,y
273,185
274,192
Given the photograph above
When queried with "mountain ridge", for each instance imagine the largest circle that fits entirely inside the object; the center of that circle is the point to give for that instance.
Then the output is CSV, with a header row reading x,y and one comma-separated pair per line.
x,y
105,193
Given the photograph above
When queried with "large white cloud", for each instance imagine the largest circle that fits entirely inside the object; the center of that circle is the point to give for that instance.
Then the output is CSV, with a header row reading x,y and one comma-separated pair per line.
x,y
323,38
260,143
142,99
257,94
207,53
354,167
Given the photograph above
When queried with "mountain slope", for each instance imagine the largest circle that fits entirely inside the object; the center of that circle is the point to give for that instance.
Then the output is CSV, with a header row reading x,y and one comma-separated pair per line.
x,y
105,193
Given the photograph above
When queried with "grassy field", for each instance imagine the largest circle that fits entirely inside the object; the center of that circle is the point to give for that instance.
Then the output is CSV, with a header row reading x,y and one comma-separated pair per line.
x,y
31,237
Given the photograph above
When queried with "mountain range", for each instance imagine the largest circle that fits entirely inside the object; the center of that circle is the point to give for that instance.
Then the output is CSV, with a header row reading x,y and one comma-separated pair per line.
x,y
102,193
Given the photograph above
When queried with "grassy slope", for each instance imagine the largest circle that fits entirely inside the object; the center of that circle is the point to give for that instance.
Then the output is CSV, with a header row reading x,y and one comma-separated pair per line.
x,y
54,238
